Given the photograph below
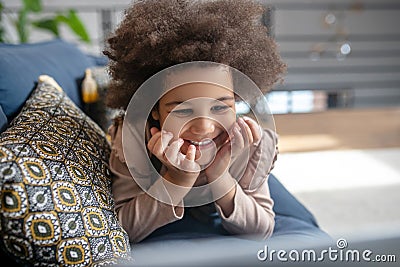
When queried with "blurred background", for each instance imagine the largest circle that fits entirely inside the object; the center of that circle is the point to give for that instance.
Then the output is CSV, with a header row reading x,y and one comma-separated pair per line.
x,y
337,112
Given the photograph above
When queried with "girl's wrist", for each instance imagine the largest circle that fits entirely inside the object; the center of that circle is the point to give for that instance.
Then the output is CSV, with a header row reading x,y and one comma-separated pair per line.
x,y
222,185
179,179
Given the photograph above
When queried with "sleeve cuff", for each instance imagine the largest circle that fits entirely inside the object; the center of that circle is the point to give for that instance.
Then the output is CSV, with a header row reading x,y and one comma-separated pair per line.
x,y
236,199
159,192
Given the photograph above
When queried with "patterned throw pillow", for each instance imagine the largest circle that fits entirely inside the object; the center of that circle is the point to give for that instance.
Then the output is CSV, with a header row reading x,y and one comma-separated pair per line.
x,y
56,202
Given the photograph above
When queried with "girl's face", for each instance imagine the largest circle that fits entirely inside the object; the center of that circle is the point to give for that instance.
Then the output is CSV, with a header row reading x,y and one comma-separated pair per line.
x,y
199,113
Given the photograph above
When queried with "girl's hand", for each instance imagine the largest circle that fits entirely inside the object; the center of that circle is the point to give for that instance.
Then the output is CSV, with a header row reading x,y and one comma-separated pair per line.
x,y
244,133
182,170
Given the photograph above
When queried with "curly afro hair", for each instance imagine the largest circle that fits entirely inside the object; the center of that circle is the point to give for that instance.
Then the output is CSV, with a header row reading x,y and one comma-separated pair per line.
x,y
156,34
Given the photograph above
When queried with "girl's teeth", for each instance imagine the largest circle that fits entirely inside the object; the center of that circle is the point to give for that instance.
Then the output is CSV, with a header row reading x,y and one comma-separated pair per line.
x,y
206,142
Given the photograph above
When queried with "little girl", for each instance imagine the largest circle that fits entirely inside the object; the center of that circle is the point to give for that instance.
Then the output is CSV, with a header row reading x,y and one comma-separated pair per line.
x,y
194,139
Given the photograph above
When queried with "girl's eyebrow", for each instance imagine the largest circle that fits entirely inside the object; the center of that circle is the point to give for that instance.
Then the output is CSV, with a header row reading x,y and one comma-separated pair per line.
x,y
174,103
224,98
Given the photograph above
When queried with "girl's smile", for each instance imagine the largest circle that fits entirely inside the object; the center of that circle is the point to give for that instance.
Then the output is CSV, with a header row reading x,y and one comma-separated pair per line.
x,y
205,143
200,113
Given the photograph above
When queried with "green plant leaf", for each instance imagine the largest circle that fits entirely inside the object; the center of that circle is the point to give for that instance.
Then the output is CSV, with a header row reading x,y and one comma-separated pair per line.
x,y
2,32
47,24
21,26
75,24
33,5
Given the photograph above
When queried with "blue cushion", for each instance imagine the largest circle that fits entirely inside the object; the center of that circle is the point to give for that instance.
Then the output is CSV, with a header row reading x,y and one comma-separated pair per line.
x,y
21,65
99,60
3,120
286,204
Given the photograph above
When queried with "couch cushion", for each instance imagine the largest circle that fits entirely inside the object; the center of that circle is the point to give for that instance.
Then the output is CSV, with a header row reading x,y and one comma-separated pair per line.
x,y
56,201
3,120
21,64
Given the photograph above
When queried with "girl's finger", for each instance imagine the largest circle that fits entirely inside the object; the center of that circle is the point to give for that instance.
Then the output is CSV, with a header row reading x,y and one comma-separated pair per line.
x,y
191,153
255,129
238,140
162,144
173,150
246,131
189,166
225,150
153,131
153,140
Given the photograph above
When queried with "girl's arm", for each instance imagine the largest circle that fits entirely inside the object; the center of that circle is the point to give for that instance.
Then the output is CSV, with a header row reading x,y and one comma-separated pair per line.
x,y
139,213
251,205
252,212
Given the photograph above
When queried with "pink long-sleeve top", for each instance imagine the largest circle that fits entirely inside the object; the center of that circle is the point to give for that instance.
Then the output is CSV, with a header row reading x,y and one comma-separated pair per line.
x,y
140,214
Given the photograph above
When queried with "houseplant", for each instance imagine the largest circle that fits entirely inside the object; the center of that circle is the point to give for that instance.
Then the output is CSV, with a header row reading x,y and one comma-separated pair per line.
x,y
23,24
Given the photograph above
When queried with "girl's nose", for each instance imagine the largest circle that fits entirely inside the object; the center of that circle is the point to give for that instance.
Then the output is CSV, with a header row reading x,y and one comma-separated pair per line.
x,y
202,126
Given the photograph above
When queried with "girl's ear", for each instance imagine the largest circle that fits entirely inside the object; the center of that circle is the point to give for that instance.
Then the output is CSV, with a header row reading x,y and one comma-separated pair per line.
x,y
155,114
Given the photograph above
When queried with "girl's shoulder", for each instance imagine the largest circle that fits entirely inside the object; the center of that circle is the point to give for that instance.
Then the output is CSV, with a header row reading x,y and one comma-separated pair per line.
x,y
115,133
116,122
119,117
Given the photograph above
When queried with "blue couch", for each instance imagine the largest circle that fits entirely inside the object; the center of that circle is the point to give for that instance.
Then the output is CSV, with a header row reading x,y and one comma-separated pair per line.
x,y
20,66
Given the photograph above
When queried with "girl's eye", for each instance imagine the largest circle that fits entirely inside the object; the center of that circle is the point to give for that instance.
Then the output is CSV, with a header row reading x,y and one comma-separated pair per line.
x,y
219,108
182,112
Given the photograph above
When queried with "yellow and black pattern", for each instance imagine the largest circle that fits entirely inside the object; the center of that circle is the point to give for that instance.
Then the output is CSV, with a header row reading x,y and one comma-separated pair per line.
x,y
56,206
43,228
21,247
119,242
14,200
74,252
